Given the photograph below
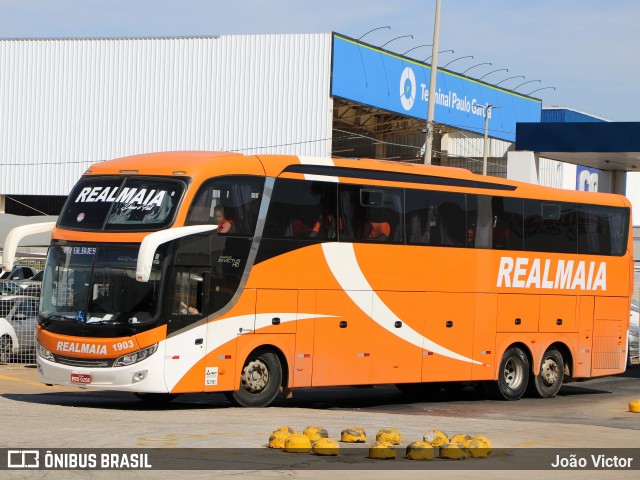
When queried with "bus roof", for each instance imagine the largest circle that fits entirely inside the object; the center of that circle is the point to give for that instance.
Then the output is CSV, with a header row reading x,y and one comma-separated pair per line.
x,y
200,165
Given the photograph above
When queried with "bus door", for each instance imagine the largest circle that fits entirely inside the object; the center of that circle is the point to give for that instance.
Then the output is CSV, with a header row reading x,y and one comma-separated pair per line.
x,y
186,330
186,306
448,335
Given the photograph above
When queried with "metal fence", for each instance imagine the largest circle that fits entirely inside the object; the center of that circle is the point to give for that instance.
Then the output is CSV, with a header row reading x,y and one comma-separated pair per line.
x,y
18,317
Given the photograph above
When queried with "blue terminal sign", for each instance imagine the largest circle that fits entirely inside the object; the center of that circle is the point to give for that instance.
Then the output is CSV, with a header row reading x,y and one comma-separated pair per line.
x,y
374,77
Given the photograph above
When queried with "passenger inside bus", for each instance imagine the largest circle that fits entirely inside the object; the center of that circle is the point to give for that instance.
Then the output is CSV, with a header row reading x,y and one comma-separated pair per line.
x,y
188,293
225,225
380,231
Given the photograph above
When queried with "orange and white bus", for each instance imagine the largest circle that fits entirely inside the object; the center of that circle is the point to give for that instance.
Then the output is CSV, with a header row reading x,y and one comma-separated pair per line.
x,y
255,275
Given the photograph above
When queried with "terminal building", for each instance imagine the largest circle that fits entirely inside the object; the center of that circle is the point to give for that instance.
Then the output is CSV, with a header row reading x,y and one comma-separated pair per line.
x,y
69,103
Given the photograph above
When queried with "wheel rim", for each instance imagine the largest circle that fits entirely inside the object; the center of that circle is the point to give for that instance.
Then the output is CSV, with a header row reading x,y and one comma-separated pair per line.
x,y
513,373
255,376
549,372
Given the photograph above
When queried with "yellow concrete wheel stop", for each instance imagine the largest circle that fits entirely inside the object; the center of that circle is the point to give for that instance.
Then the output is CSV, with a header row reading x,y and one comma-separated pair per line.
x,y
277,438
436,438
285,429
453,451
391,435
634,406
420,451
315,433
297,443
460,438
353,435
325,446
478,448
382,451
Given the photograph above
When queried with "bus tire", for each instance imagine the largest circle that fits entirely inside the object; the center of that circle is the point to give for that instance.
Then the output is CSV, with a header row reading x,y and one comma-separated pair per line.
x,y
260,381
513,375
156,398
548,382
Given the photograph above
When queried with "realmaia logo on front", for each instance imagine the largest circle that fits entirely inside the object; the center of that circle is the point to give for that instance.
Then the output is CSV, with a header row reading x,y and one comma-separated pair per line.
x,y
562,274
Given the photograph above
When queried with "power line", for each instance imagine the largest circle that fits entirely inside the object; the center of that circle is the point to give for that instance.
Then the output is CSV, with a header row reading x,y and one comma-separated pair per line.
x,y
25,205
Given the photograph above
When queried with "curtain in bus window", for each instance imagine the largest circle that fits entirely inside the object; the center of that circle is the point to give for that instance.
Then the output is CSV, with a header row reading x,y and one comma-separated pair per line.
x,y
395,215
349,209
602,230
619,220
452,223
507,223
480,227
239,207
436,218
235,198
550,227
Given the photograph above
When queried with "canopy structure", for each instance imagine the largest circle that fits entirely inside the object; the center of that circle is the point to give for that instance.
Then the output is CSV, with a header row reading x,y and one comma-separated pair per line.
x,y
607,146
7,222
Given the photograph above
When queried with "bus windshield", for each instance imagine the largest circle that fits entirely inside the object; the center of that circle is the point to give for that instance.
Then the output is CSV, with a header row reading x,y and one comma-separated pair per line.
x,y
122,204
96,285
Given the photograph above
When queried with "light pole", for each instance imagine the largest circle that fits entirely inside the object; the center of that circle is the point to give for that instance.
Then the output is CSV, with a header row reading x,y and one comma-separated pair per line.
x,y
485,63
414,48
485,149
397,38
494,71
373,30
456,59
508,78
530,81
432,86
538,89
441,51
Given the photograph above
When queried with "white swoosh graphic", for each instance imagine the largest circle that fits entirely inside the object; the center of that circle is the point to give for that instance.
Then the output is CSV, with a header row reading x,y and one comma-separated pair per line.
x,y
218,333
342,261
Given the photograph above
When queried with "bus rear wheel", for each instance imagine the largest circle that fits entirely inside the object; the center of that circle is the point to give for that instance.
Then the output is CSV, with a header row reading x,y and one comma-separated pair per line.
x,y
548,382
513,375
260,381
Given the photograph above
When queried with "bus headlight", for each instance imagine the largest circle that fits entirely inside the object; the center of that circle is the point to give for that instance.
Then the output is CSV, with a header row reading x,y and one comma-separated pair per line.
x,y
44,353
135,357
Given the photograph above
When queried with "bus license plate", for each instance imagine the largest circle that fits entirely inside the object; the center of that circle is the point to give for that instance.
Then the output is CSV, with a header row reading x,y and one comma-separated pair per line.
x,y
83,378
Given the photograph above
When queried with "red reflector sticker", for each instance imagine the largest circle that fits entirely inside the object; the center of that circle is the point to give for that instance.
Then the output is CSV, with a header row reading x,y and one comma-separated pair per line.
x,y
82,378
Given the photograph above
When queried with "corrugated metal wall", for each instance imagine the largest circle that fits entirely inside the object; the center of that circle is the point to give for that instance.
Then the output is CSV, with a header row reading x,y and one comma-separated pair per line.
x,y
65,104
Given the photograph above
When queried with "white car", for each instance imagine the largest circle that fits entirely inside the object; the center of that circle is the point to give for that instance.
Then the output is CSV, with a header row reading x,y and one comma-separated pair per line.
x,y
18,318
633,339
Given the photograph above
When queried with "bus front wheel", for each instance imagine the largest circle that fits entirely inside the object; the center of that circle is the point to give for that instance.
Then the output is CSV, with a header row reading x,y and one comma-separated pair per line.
x,y
513,375
260,381
548,382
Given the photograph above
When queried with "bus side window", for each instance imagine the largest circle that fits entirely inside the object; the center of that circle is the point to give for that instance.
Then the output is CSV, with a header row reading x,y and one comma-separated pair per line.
x,y
371,214
188,293
237,196
302,210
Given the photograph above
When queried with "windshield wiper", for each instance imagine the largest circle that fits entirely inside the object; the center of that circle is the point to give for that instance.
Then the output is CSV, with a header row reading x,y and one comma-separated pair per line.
x,y
54,316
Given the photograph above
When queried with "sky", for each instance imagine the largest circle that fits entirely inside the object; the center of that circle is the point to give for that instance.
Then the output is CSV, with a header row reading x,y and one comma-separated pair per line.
x,y
579,53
